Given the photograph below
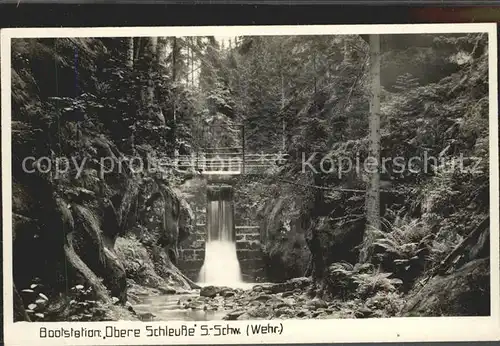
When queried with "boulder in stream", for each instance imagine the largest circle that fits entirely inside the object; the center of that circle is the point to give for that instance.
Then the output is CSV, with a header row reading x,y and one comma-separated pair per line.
x,y
233,315
262,298
227,293
209,291
167,289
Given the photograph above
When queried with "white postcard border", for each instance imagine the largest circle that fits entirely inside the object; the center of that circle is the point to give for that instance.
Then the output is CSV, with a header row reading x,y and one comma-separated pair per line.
x,y
294,331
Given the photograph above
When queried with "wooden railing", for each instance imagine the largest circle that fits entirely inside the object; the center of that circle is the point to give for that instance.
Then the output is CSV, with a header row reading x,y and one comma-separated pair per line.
x,y
229,161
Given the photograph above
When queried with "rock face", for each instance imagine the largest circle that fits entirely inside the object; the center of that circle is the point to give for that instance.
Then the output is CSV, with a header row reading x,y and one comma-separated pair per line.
x,y
459,294
336,244
88,243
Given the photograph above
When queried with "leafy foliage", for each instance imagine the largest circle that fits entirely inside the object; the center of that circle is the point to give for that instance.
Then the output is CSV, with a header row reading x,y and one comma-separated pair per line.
x,y
434,109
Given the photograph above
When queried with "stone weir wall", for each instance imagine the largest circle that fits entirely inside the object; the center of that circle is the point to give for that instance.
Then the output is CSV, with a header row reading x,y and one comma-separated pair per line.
x,y
192,250
249,252
192,253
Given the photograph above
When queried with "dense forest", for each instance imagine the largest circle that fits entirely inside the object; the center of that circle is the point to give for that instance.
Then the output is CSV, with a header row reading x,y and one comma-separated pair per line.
x,y
341,242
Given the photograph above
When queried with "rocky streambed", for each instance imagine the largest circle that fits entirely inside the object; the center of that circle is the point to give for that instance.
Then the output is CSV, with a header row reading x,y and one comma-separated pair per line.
x,y
293,299
264,302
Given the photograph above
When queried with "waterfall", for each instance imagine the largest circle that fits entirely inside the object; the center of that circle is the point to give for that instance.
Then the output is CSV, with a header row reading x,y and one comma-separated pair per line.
x,y
221,266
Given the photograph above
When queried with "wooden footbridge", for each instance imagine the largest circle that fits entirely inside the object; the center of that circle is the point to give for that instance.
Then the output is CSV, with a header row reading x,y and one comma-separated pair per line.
x,y
231,159
228,161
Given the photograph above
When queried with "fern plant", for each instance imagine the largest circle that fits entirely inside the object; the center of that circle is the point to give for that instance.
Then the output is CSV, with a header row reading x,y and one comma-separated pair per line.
x,y
346,281
340,280
371,283
403,249
403,238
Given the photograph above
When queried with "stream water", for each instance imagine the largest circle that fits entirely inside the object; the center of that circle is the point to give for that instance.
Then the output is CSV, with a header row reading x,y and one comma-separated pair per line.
x,y
168,308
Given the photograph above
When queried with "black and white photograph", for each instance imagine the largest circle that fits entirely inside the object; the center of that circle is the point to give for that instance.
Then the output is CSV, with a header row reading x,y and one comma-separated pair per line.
x,y
223,183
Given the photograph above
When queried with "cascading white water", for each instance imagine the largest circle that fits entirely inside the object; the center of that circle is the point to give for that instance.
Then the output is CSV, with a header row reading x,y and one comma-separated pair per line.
x,y
221,266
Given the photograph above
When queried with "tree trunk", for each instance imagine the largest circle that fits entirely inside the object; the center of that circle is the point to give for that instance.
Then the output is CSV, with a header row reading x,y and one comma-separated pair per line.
x,y
174,59
373,191
76,262
174,80
192,64
283,124
137,48
188,57
315,77
318,267
130,53
151,69
347,51
150,104
161,69
161,52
